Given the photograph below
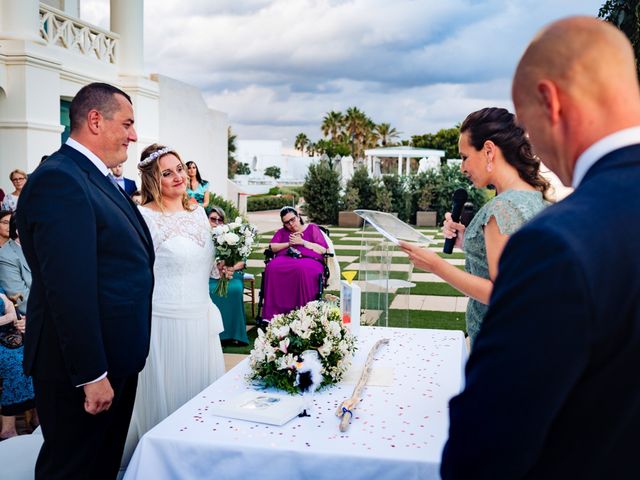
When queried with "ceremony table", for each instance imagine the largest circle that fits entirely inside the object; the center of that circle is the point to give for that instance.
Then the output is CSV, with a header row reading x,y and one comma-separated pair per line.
x,y
398,431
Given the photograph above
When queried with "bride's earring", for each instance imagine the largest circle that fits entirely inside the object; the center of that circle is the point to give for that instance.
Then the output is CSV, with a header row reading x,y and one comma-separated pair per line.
x,y
489,166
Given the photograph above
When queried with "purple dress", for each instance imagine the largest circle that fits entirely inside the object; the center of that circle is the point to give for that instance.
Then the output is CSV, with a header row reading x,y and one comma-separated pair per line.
x,y
293,282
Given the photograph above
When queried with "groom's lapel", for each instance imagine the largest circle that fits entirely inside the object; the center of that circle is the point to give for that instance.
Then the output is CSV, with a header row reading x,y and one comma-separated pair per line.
x,y
110,190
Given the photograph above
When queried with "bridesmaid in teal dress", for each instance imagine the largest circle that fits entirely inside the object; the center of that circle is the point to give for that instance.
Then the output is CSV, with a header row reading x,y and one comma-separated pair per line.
x,y
232,306
496,151
197,188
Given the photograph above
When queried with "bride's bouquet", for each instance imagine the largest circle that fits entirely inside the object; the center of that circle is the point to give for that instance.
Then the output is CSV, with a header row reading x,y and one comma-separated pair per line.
x,y
234,242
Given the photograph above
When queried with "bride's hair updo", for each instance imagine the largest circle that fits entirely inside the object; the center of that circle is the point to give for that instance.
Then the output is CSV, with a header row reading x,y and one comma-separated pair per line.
x,y
150,175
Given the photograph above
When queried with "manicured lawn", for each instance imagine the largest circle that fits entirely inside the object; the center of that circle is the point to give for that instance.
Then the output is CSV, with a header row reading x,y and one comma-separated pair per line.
x,y
397,317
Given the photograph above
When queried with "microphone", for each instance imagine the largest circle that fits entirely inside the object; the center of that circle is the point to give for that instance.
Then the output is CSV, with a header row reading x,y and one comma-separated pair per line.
x,y
459,198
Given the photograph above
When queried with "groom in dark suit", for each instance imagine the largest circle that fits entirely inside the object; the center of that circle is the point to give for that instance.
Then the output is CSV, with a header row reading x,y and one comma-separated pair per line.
x,y
552,389
88,326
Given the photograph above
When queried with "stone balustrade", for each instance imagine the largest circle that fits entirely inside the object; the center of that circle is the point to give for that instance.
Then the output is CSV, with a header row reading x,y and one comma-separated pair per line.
x,y
57,28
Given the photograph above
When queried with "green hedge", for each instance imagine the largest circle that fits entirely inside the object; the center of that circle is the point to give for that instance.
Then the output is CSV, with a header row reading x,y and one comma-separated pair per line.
x,y
256,203
404,195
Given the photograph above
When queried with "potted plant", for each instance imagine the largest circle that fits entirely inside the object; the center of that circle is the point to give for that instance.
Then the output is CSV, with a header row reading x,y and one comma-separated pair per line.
x,y
424,216
346,216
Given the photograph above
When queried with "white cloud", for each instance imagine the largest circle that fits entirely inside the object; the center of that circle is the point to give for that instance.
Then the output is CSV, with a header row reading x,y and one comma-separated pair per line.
x,y
276,66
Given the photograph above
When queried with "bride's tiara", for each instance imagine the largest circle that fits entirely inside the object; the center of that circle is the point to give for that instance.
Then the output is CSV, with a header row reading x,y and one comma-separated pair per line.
x,y
154,156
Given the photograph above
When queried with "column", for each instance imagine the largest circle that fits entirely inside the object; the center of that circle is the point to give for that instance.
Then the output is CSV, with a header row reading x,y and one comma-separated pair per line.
x,y
127,20
400,165
71,8
408,166
20,20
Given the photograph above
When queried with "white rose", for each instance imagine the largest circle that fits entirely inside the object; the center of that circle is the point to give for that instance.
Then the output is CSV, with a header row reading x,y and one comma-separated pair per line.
x,y
325,349
284,345
334,328
282,331
231,238
238,220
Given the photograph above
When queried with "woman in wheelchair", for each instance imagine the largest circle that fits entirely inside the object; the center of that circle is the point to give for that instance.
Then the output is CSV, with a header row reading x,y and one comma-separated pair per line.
x,y
293,277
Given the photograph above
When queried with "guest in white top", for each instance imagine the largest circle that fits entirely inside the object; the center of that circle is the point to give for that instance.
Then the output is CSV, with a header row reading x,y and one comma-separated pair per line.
x,y
19,179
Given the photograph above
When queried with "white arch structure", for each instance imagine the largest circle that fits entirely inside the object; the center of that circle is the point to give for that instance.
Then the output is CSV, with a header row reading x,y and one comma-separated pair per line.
x,y
401,153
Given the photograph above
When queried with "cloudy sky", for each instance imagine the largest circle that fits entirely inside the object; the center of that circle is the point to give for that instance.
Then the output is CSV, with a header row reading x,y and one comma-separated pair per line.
x,y
277,66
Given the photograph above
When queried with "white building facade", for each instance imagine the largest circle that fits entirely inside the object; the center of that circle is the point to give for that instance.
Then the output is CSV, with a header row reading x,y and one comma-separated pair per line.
x,y
47,54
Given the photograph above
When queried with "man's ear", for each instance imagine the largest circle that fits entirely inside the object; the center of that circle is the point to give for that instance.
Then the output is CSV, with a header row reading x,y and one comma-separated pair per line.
x,y
94,118
549,98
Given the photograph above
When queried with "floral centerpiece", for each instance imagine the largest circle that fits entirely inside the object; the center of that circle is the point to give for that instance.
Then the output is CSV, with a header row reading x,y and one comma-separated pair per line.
x,y
316,326
234,242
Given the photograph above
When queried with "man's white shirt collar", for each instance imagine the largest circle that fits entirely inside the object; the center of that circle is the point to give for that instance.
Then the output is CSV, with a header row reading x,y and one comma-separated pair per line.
x,y
90,155
620,139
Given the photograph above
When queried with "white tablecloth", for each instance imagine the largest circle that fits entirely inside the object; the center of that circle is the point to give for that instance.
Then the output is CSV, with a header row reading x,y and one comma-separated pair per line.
x,y
397,432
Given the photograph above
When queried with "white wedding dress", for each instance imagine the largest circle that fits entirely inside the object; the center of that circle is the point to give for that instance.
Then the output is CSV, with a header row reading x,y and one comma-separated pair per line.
x,y
185,355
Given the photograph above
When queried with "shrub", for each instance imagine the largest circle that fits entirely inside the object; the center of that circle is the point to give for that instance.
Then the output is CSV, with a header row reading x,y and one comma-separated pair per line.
x,y
434,189
275,191
229,208
349,200
400,197
243,169
272,171
383,200
321,191
257,203
364,184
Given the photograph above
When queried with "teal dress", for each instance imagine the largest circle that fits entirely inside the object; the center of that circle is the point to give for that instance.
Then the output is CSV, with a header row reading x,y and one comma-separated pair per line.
x,y
198,193
232,308
511,209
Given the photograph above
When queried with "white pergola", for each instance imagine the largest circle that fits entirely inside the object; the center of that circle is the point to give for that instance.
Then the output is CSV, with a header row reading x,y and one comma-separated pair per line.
x,y
401,153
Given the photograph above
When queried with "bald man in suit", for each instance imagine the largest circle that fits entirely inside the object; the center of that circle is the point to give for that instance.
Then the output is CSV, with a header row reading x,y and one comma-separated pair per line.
x,y
551,384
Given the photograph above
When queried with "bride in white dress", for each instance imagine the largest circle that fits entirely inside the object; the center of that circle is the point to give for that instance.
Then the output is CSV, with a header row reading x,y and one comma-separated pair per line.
x,y
185,355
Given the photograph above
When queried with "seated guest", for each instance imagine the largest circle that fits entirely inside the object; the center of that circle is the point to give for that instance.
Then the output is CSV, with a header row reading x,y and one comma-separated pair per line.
x,y
15,274
5,226
128,185
19,179
232,306
292,277
136,197
197,188
17,394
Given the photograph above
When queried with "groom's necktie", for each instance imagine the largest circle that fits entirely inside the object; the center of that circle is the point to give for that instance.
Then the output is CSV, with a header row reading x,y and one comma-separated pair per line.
x,y
112,179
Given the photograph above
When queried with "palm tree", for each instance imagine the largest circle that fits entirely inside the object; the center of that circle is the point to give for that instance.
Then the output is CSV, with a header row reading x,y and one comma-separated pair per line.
x,y
331,125
301,142
386,132
312,149
357,129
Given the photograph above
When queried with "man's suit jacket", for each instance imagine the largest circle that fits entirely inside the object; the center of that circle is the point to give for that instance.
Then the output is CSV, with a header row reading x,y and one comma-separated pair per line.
x,y
129,186
79,233
552,387
15,274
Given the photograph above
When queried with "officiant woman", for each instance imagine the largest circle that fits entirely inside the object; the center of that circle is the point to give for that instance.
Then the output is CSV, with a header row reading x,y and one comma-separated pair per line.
x,y
495,150
293,277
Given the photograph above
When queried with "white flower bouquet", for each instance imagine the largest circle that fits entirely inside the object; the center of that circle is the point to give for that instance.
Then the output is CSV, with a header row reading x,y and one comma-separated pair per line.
x,y
316,326
234,242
